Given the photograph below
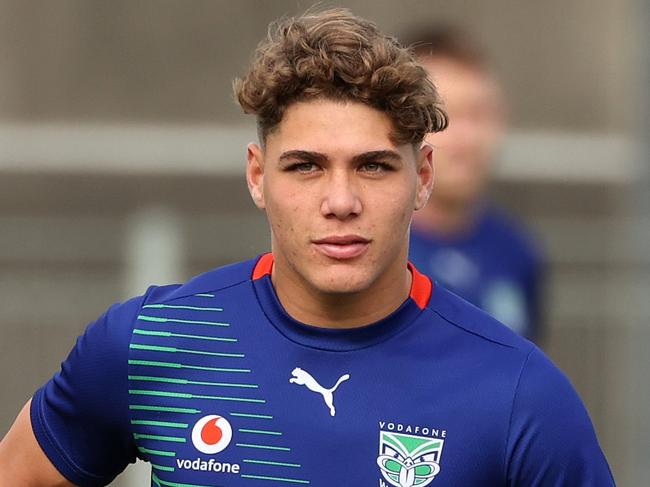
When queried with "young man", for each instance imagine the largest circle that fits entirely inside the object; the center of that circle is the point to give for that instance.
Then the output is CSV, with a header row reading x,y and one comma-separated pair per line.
x,y
330,360
459,238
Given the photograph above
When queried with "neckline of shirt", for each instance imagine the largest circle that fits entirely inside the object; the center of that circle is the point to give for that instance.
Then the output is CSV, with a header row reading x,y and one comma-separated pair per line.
x,y
336,339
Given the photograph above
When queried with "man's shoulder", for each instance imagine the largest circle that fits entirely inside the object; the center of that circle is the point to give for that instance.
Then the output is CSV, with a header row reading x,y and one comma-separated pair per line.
x,y
507,360
504,360
119,320
206,283
471,321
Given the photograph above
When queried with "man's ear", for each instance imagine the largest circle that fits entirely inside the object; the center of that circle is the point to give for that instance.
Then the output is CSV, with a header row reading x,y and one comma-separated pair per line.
x,y
425,175
255,174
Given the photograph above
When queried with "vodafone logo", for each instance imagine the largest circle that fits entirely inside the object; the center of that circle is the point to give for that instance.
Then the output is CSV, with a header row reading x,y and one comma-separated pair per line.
x,y
211,434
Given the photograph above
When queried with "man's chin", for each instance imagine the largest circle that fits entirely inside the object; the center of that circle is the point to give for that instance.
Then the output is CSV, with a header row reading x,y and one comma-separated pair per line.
x,y
341,283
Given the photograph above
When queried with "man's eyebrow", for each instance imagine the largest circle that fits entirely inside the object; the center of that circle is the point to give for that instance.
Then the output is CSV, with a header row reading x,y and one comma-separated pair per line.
x,y
303,155
377,154
312,156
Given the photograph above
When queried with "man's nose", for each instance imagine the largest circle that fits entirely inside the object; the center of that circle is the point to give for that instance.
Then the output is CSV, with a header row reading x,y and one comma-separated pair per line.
x,y
341,197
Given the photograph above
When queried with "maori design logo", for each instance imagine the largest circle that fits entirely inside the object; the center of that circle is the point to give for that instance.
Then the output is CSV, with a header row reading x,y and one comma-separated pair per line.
x,y
408,460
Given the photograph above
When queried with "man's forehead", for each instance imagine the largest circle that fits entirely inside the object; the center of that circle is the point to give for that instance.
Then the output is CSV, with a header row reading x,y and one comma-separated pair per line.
x,y
329,127
335,115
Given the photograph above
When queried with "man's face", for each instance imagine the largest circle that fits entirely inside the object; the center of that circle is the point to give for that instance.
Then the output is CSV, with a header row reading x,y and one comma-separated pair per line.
x,y
465,150
339,195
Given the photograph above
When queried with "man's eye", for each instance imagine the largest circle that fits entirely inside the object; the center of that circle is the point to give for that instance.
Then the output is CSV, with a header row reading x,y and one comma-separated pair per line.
x,y
303,167
375,167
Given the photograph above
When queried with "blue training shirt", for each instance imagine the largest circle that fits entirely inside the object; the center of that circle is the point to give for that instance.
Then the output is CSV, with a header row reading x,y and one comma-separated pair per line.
x,y
214,384
494,265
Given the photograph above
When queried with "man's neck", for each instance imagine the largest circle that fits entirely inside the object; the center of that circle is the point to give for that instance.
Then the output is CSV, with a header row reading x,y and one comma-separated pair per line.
x,y
341,310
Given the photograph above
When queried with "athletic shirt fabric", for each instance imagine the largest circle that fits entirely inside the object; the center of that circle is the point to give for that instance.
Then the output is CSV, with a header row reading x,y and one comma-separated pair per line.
x,y
214,384
495,265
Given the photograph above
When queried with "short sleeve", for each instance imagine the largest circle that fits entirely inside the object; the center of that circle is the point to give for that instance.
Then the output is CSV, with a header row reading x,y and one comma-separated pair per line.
x,y
552,442
80,417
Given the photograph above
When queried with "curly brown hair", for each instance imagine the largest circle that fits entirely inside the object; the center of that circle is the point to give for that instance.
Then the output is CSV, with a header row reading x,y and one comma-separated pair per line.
x,y
335,55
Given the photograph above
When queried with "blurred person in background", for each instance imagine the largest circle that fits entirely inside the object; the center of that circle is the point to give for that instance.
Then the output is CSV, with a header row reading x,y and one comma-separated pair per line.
x,y
460,238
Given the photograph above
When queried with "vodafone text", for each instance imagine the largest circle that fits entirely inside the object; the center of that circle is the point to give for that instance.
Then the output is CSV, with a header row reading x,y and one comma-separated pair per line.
x,y
208,465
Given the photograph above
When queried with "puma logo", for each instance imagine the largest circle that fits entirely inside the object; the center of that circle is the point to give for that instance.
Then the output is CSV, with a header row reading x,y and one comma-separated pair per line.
x,y
303,378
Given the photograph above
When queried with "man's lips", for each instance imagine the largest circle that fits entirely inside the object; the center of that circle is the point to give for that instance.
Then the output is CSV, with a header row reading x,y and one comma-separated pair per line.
x,y
342,247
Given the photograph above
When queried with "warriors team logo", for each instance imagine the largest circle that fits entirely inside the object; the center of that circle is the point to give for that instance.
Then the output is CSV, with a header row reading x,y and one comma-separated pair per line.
x,y
211,434
408,460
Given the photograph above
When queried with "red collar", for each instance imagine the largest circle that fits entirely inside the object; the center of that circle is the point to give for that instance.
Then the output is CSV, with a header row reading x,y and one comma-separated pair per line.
x,y
421,286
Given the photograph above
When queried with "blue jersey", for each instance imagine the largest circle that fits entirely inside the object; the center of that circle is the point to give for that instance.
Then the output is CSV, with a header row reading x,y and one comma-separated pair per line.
x,y
214,384
495,265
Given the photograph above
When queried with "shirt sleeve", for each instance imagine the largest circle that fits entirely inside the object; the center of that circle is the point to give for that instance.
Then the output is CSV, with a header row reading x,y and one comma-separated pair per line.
x,y
80,417
552,442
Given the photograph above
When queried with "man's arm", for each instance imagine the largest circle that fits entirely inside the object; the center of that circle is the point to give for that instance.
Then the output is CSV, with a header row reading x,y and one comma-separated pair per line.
x,y
80,418
22,461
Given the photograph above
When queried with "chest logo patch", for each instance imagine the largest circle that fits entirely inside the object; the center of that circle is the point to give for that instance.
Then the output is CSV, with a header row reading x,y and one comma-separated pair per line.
x,y
211,434
304,378
408,460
